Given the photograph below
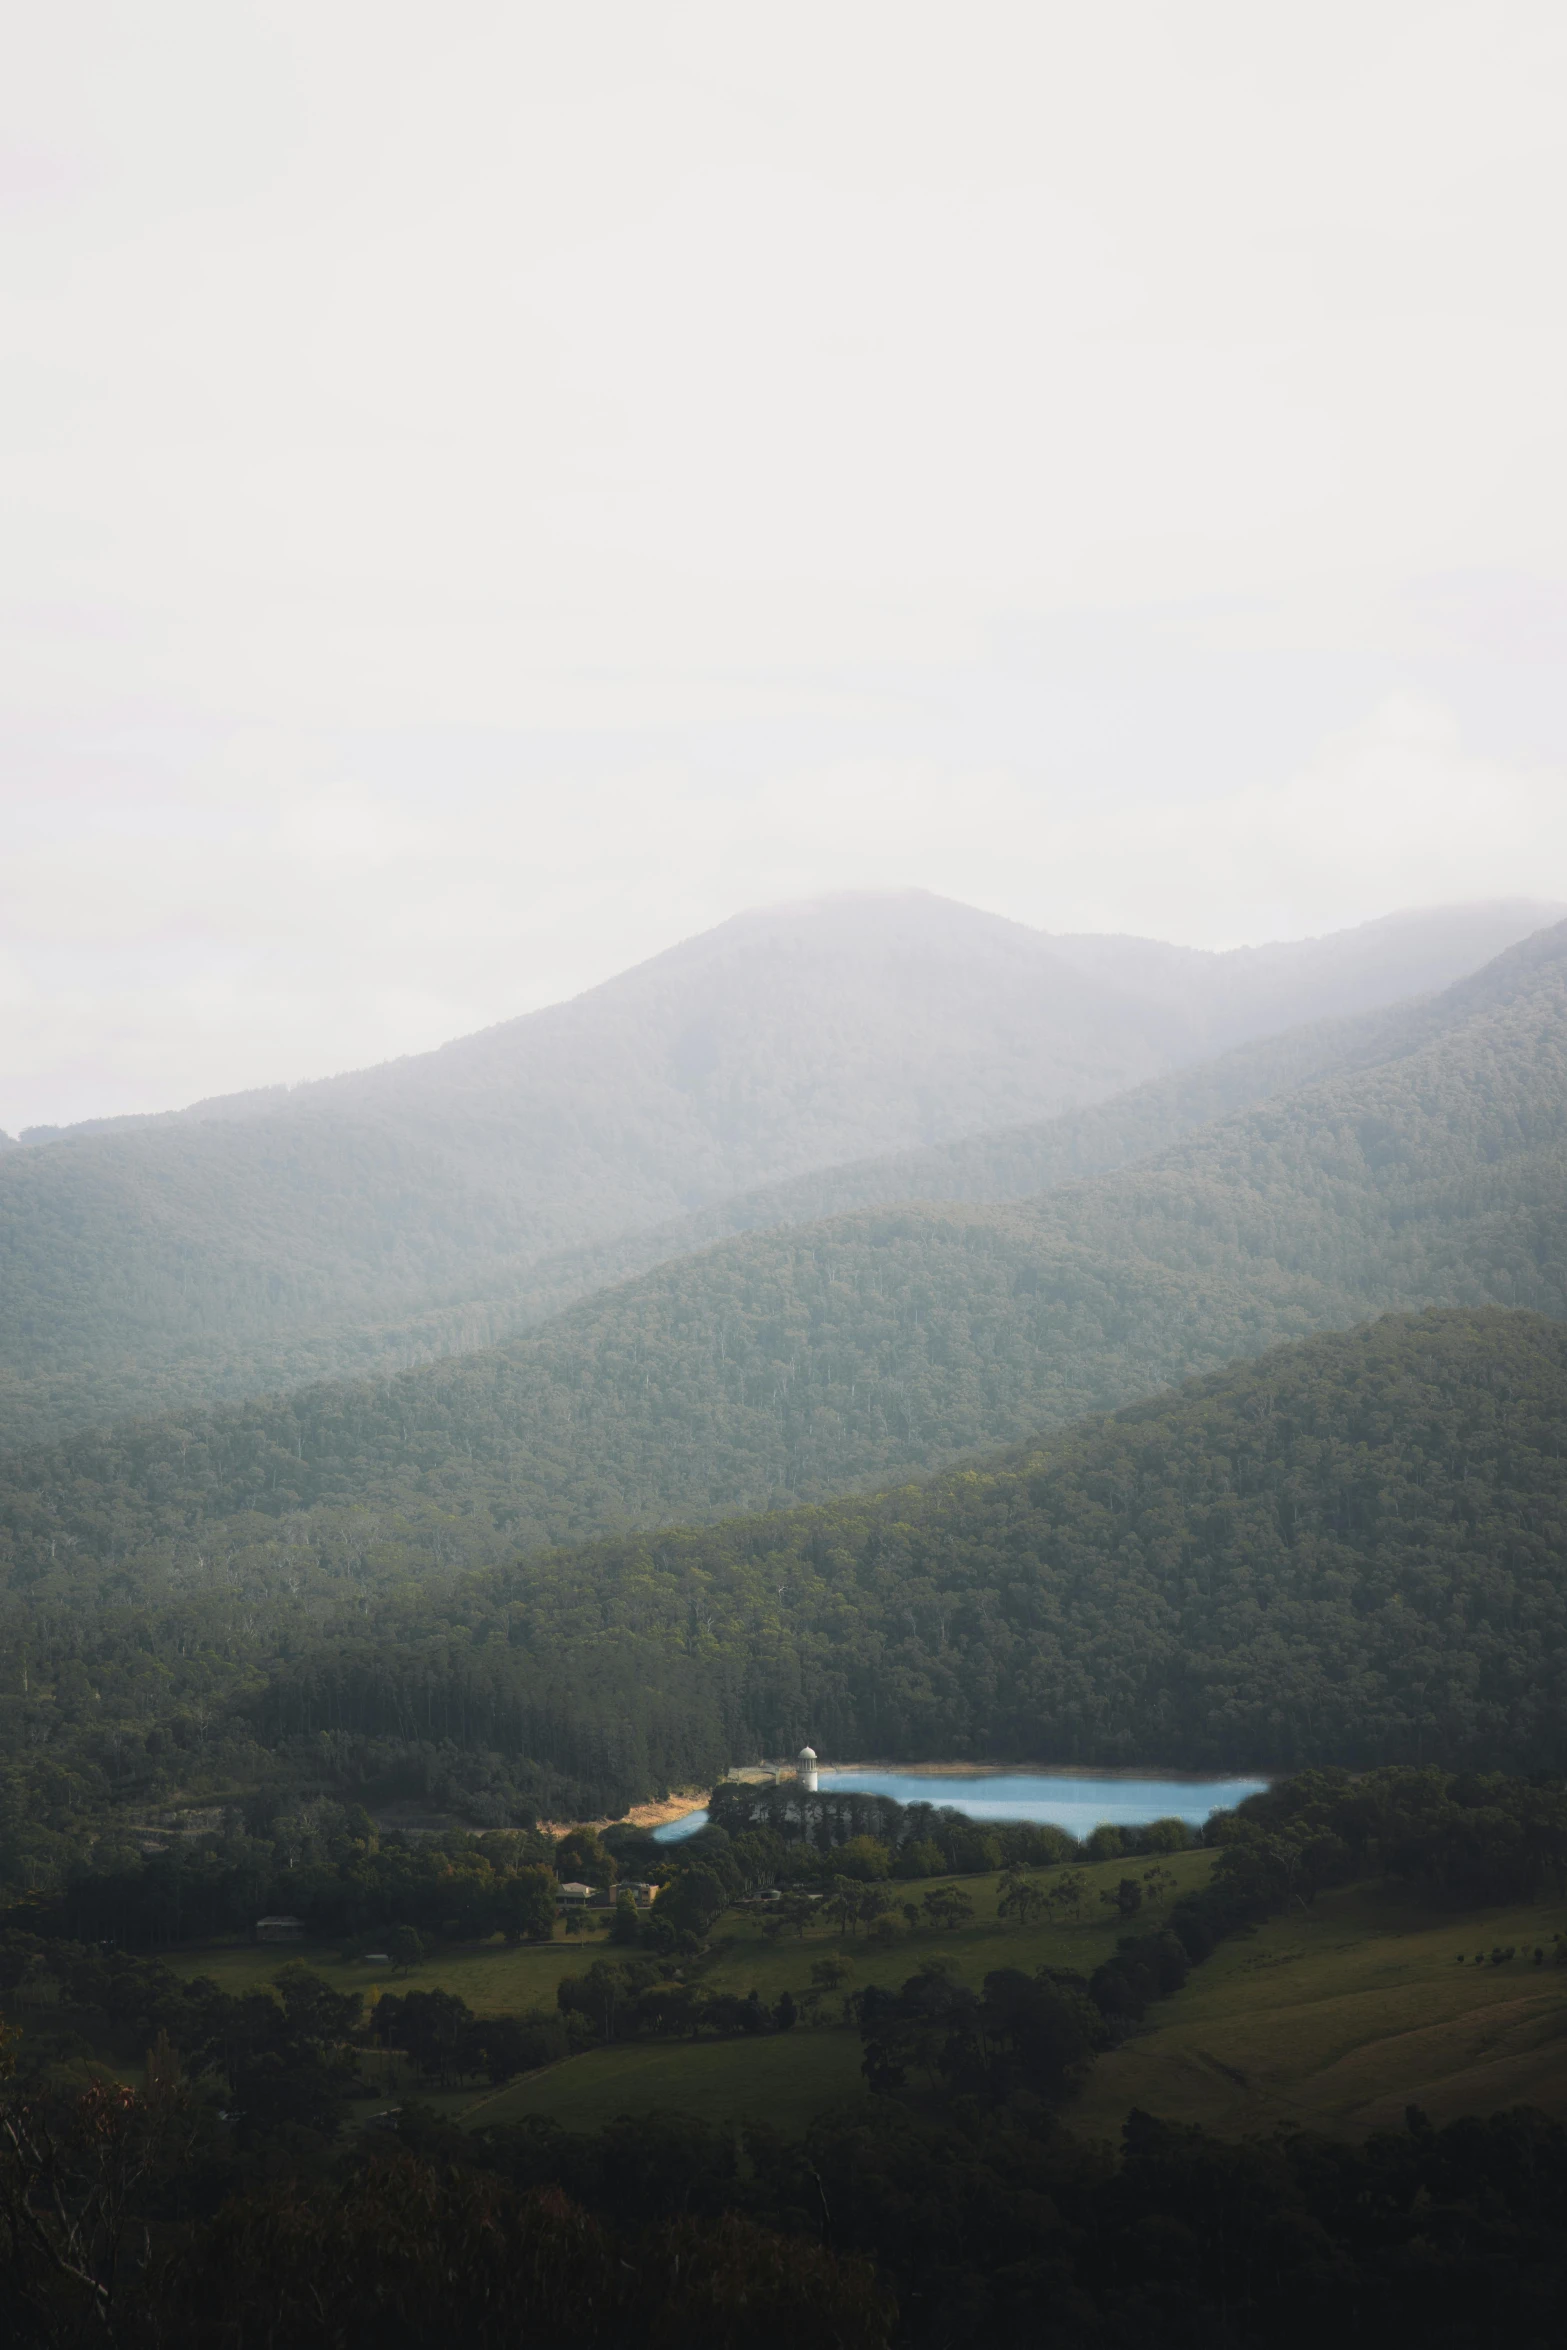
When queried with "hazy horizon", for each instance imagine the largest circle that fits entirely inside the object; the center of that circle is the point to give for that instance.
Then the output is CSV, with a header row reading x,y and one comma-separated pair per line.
x,y
488,496
780,906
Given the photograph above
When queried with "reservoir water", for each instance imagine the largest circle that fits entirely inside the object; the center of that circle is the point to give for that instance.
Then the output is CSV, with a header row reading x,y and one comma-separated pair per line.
x,y
1075,1800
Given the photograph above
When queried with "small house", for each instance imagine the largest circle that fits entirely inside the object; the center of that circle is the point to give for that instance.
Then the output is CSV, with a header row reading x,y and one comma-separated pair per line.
x,y
575,1892
279,1929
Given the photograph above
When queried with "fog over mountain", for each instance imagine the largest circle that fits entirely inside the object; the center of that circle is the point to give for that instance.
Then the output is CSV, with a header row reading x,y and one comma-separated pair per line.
x,y
376,1219
1428,1168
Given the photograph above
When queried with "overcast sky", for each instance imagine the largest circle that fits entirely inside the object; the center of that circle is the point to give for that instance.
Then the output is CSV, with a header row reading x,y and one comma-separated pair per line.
x,y
492,489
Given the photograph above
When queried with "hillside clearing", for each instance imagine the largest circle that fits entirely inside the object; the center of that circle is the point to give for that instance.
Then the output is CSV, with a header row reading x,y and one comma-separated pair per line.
x,y
1338,2018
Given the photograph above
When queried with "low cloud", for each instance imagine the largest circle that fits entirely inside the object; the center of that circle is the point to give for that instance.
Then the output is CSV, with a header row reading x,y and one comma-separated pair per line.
x,y
273,907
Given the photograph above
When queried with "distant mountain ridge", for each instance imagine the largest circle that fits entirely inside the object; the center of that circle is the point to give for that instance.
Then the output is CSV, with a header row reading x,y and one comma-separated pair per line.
x,y
787,1365
434,1204
1241,992
1212,997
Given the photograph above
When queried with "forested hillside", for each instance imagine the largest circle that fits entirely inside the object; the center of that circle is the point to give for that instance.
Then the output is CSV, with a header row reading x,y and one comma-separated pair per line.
x,y
445,1201
789,1366
1350,1551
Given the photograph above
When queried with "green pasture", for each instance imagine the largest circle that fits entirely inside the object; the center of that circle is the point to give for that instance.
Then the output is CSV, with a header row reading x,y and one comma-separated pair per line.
x,y
496,1980
782,2080
746,1959
785,2079
1335,2018
1339,2017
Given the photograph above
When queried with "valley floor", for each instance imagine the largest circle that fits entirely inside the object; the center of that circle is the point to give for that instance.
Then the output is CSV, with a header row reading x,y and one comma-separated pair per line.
x,y
1335,2018
782,2079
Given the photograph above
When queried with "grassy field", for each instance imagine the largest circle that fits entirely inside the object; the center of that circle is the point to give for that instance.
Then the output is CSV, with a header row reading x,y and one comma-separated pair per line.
x,y
747,1959
1336,2019
1339,2018
493,1979
498,1981
782,2080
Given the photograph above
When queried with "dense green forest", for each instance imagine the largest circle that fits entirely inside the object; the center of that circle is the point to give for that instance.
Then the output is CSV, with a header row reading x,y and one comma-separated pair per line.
x,y
792,1365
1348,1552
441,1203
923,2218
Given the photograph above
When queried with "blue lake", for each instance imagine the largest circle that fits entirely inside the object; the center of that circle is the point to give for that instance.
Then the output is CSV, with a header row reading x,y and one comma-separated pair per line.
x,y
1067,1799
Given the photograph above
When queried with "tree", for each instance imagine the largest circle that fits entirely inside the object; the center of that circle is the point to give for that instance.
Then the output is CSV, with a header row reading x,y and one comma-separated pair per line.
x,y
316,2013
694,1901
299,2088
1020,1899
501,2046
791,1915
404,1947
830,1974
625,1927
525,1906
1068,1893
669,2009
948,1906
582,1856
920,1858
928,2024
1040,2034
435,2027
598,1995
974,1850
843,1905
77,2178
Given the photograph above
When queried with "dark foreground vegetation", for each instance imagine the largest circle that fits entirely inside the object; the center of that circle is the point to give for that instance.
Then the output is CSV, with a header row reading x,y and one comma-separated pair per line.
x,y
889,2224
222,2203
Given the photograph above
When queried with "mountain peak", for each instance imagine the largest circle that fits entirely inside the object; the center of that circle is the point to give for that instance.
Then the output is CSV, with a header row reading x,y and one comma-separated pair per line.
x,y
261,1240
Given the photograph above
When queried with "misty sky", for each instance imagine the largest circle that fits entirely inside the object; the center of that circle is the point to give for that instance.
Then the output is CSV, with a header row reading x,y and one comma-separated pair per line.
x,y
492,489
